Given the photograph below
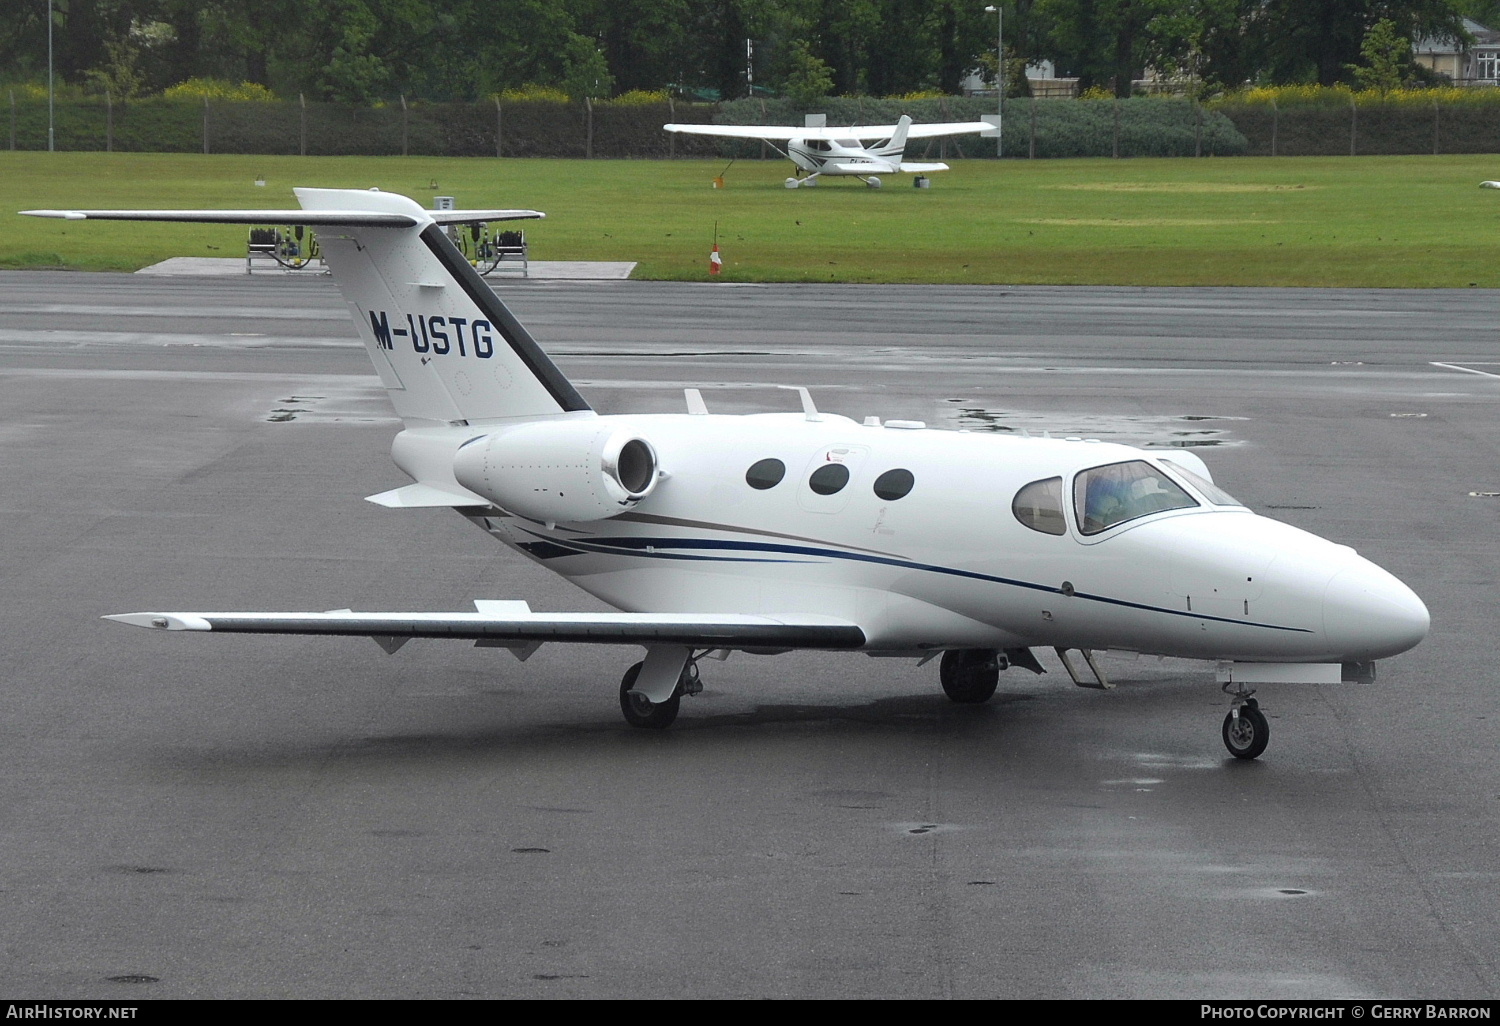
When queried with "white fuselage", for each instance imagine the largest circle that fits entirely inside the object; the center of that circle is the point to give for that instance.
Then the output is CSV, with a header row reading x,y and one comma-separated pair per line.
x,y
949,564
844,156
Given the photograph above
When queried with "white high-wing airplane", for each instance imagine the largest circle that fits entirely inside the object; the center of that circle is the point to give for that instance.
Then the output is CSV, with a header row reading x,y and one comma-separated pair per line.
x,y
771,532
842,151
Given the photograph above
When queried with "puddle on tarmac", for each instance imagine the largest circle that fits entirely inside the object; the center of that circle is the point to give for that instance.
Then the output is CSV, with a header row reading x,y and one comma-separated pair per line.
x,y
1187,431
352,405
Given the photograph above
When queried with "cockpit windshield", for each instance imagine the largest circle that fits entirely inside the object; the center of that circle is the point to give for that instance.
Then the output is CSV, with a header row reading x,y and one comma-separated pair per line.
x,y
1210,491
1110,495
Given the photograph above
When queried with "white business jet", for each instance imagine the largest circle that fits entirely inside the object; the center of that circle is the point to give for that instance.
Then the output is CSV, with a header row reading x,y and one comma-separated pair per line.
x,y
819,150
770,532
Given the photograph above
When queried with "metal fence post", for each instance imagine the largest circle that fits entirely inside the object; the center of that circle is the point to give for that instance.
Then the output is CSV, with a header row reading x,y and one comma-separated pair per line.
x,y
588,145
1353,126
12,119
109,122
1275,124
1434,126
405,128
302,125
1031,143
205,124
1117,127
499,125
671,136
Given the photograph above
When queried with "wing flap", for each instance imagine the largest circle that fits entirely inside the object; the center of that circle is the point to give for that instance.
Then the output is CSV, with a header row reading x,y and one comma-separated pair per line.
x,y
697,631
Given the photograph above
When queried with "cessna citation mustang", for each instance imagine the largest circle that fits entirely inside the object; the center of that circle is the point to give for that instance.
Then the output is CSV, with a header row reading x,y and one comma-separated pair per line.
x,y
778,531
841,151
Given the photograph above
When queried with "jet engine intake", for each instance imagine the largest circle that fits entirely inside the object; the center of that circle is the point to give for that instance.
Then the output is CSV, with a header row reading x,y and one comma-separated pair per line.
x,y
559,470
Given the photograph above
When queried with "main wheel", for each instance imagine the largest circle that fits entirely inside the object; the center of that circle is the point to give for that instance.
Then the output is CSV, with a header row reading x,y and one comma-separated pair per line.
x,y
969,675
1247,734
792,183
873,182
640,711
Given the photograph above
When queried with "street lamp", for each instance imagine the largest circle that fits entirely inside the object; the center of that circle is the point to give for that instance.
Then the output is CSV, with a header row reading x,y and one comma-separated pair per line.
x,y
999,75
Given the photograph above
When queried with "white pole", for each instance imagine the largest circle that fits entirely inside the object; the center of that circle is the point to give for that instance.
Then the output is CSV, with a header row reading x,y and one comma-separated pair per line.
x,y
999,77
51,119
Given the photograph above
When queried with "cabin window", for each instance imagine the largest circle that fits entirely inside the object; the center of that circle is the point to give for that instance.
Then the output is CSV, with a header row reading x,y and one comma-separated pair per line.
x,y
1040,506
894,484
829,478
1210,491
849,144
1110,495
765,474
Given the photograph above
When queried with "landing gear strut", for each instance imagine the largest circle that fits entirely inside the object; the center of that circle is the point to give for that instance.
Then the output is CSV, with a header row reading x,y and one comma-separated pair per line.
x,y
640,711
1246,732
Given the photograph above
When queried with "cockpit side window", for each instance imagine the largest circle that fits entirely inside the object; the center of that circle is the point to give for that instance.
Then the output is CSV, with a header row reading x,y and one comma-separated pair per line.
x,y
1039,506
1110,495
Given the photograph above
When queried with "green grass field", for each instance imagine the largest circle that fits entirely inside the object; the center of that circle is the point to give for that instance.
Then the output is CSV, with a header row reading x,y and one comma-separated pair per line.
x,y
1334,221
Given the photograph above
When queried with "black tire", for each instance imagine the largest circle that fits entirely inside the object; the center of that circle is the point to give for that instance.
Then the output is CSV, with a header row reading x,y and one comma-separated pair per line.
x,y
642,712
1247,736
970,675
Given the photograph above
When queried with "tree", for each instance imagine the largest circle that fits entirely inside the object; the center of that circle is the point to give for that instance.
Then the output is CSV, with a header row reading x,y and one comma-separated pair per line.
x,y
809,78
1387,54
585,69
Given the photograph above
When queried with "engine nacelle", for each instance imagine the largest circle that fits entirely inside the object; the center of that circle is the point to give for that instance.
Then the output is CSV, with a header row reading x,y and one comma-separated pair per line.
x,y
559,470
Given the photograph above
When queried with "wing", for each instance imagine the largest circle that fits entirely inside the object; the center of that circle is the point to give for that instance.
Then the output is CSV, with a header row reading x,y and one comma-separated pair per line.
x,y
311,218
769,132
950,128
513,625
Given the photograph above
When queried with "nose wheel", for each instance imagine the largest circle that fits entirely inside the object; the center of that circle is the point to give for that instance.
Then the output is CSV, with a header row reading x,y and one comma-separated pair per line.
x,y
1246,732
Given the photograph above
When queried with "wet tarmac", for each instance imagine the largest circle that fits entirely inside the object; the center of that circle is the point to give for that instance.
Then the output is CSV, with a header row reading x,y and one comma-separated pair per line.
x,y
264,817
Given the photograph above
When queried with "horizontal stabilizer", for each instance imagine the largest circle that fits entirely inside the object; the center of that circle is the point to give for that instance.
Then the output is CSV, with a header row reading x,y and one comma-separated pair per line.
x,y
426,496
512,624
922,169
863,167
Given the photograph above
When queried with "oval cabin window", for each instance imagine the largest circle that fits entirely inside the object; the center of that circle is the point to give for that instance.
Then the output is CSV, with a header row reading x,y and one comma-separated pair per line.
x,y
894,484
829,478
765,474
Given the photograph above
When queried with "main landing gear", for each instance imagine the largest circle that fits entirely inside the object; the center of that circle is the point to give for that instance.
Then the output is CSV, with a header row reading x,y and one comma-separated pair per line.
x,y
1246,732
969,675
640,711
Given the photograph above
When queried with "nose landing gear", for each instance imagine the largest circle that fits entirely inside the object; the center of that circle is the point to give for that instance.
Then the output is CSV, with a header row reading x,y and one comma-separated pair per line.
x,y
1246,732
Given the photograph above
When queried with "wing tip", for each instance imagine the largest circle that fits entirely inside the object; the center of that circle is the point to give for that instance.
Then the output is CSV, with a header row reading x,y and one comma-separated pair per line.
x,y
162,621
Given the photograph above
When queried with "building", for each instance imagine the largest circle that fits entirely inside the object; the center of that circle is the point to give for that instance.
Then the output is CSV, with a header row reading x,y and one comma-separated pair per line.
x,y
1467,64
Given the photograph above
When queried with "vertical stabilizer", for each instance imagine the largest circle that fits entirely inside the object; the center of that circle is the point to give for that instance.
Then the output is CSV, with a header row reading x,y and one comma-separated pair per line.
x,y
446,348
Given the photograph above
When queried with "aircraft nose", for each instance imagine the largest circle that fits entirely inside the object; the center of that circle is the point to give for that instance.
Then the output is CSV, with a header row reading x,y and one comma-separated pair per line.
x,y
1369,614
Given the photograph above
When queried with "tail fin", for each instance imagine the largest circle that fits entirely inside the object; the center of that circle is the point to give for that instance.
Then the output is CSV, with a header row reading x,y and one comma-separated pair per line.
x,y
898,137
446,348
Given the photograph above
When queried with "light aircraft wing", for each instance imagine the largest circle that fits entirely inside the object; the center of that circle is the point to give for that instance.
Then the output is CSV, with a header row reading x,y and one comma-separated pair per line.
x,y
512,624
950,128
918,169
768,132
310,218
